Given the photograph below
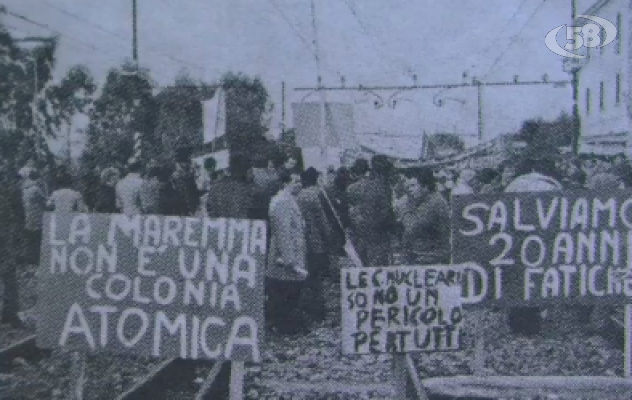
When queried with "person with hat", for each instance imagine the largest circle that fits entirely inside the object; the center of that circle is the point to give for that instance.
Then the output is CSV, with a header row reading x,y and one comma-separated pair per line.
x,y
150,190
184,182
317,236
425,218
371,212
285,272
105,202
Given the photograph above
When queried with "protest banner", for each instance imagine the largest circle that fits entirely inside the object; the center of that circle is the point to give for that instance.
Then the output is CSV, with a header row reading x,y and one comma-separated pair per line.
x,y
152,286
537,248
401,309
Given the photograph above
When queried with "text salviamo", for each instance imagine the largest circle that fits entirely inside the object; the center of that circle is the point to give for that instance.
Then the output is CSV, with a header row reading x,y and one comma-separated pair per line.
x,y
548,247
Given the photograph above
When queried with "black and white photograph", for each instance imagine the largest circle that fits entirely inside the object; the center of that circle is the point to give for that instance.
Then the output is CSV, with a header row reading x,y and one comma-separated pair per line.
x,y
315,199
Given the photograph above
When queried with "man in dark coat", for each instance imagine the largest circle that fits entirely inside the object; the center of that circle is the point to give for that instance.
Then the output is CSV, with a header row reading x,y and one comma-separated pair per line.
x,y
372,217
317,235
12,216
187,201
235,196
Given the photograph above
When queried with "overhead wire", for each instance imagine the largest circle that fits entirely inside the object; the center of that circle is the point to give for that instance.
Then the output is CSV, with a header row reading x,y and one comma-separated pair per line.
x,y
121,37
372,38
57,32
306,42
514,38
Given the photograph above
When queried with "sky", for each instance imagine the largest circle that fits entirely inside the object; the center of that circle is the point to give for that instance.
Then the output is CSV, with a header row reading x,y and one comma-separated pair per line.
x,y
368,42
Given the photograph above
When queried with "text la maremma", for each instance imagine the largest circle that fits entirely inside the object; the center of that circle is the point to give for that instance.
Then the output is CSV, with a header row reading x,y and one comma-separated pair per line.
x,y
181,284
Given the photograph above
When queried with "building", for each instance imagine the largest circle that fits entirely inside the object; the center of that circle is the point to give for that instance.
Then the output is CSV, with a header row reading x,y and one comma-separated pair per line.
x,y
605,81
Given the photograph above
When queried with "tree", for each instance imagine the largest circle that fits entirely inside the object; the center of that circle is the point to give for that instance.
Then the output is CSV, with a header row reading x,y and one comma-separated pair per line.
x,y
544,138
248,111
180,120
26,113
125,106
71,96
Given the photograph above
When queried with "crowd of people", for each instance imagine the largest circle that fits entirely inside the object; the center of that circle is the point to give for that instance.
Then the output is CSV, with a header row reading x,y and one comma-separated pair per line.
x,y
312,216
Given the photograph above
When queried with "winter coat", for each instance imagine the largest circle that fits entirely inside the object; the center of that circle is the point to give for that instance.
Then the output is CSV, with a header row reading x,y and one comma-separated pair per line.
x,y
371,209
288,248
12,221
231,198
317,228
67,201
34,203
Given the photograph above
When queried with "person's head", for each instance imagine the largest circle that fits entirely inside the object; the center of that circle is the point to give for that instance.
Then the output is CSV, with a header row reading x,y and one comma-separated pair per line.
x,y
154,170
183,157
63,180
34,175
341,180
380,165
290,182
487,176
277,160
210,165
110,176
134,167
541,165
360,167
290,163
420,183
619,159
309,177
239,167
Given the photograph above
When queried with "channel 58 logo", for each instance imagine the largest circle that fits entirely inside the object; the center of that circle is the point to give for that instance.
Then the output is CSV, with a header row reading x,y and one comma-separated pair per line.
x,y
589,35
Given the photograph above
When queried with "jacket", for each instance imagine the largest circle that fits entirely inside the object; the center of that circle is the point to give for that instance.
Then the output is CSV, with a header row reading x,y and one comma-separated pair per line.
x,y
231,198
371,209
317,228
426,235
128,194
34,203
12,220
67,201
188,200
288,249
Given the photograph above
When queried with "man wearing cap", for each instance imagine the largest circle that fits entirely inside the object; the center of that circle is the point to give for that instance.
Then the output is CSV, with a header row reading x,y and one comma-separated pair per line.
x,y
317,235
184,182
371,212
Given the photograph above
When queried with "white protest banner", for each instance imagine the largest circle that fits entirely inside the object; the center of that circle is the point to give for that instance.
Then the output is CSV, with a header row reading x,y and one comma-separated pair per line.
x,y
401,309
151,285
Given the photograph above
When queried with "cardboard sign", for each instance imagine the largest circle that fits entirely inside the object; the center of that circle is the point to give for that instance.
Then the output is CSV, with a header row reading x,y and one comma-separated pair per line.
x,y
572,247
401,309
152,285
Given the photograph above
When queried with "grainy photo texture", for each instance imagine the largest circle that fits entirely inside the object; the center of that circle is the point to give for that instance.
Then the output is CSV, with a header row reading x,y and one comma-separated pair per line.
x,y
315,199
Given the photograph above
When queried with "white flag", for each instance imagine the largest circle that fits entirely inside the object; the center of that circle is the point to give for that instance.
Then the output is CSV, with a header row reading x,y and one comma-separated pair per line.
x,y
214,114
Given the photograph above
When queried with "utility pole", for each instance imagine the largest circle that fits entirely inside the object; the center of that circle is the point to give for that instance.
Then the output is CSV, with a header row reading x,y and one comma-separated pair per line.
x,y
282,108
134,33
575,83
481,127
321,92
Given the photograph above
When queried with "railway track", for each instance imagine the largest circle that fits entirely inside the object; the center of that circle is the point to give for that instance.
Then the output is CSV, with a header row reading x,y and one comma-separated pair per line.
x,y
171,379
22,349
176,379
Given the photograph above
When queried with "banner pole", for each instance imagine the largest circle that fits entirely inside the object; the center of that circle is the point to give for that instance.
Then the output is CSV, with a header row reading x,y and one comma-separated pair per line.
x,y
237,372
77,376
627,361
400,376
